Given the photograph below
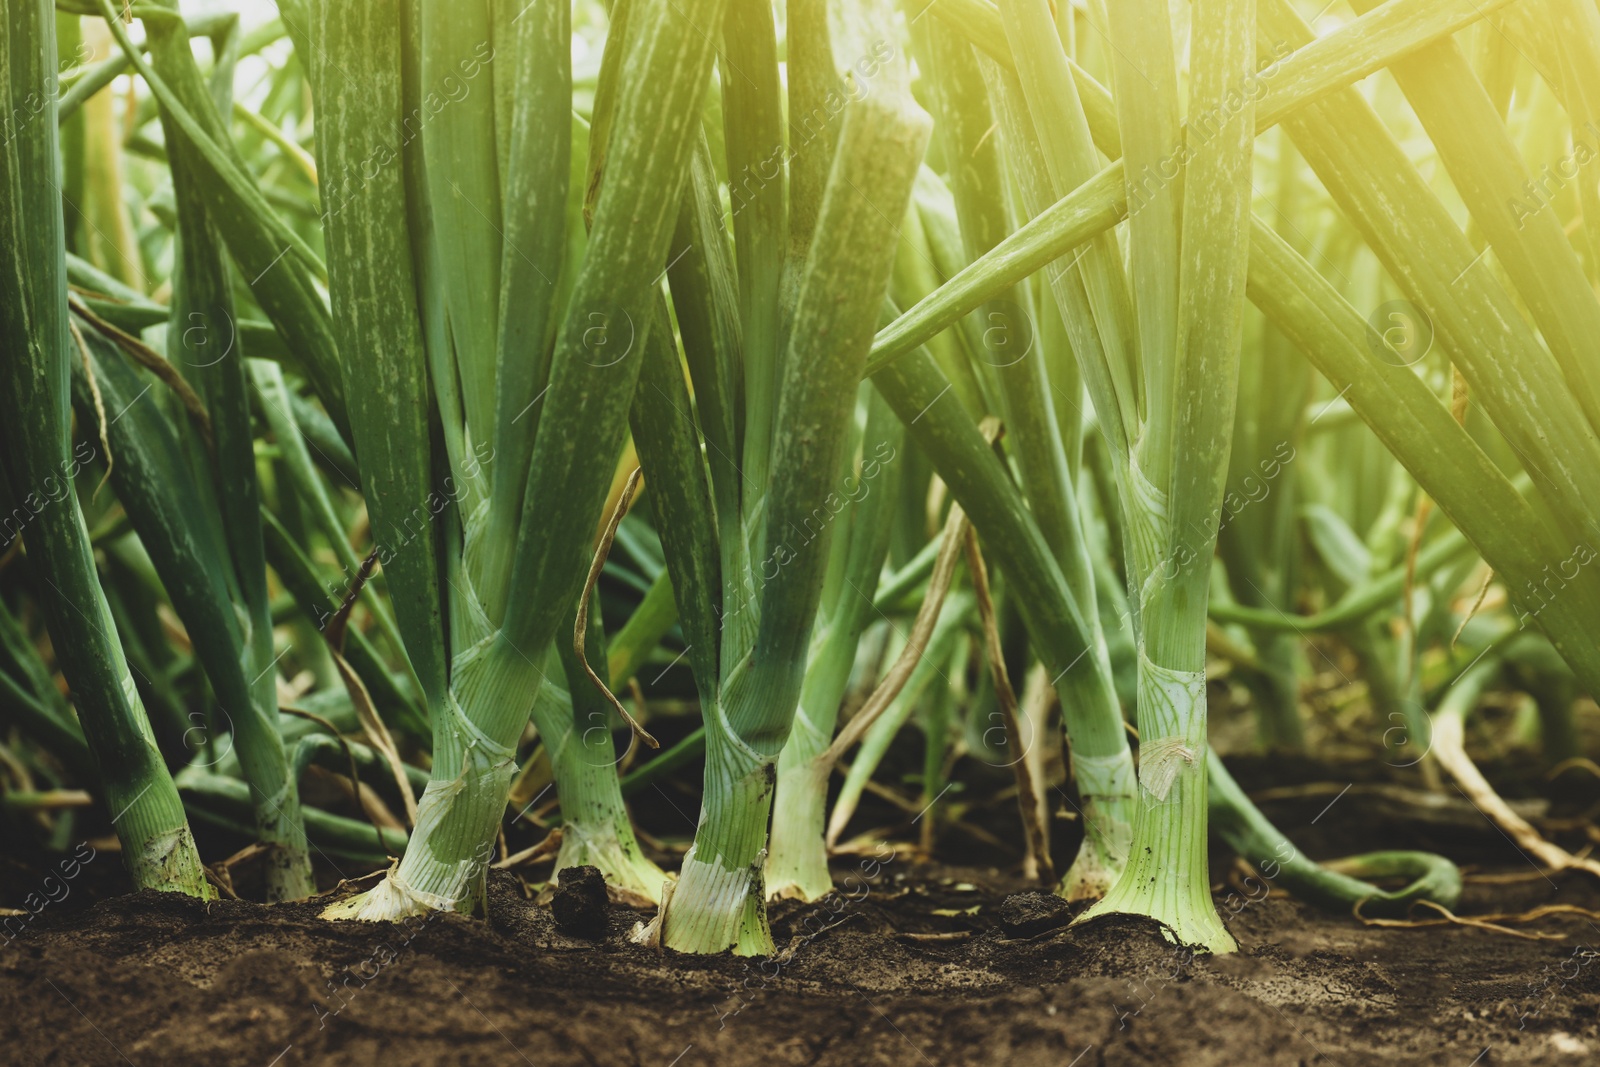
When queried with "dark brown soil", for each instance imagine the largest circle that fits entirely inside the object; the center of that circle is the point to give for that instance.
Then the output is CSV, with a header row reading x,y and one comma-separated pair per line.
x,y
918,968
913,962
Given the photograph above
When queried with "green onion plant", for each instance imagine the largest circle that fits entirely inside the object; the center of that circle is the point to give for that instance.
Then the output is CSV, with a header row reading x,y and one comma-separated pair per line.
x,y
446,400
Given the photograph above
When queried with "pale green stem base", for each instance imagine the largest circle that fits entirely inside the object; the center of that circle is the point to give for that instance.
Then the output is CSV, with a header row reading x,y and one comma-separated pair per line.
x,y
595,827
281,828
491,690
157,846
275,796
720,903
797,866
1102,765
1108,789
1166,876
797,857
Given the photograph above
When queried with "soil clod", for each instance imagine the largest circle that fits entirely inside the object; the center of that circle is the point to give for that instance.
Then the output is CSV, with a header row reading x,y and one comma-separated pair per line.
x,y
1027,914
580,906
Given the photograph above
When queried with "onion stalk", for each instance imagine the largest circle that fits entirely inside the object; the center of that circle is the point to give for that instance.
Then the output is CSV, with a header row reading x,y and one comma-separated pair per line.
x,y
36,350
